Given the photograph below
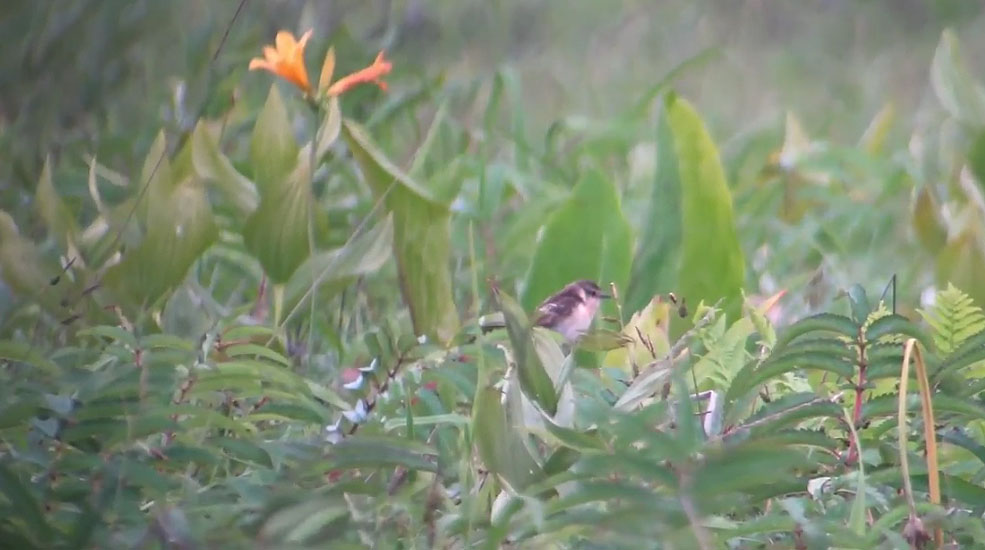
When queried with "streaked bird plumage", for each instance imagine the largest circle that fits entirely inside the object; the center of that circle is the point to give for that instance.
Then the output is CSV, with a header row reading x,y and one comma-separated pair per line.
x,y
570,312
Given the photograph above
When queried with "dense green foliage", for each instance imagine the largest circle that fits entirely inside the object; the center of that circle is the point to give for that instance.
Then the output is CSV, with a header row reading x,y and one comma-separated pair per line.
x,y
262,330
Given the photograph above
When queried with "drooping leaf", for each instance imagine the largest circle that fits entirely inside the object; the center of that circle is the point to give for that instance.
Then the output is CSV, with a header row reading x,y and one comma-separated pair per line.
x,y
421,237
499,446
712,264
827,322
587,237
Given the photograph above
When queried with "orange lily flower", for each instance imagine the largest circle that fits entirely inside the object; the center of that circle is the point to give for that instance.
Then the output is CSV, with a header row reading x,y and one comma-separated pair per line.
x,y
373,74
286,60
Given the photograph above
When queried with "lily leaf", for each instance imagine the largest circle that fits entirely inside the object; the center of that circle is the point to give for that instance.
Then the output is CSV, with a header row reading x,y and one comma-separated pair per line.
x,y
211,165
712,265
277,232
364,254
588,237
421,237
180,227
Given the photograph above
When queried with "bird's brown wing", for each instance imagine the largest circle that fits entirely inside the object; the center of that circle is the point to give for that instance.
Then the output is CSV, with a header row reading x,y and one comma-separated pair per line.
x,y
557,308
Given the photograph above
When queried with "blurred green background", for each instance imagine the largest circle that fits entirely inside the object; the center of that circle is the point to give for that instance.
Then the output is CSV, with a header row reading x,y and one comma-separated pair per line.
x,y
101,78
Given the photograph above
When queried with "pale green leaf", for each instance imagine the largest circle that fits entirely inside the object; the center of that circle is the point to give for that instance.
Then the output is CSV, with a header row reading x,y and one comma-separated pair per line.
x,y
712,264
277,232
55,213
957,90
211,165
273,148
421,237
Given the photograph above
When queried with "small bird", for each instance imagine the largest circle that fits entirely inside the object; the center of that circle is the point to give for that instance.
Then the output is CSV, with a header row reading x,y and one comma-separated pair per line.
x,y
571,310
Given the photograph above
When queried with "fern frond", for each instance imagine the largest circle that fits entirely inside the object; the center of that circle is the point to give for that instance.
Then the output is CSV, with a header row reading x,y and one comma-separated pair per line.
x,y
954,318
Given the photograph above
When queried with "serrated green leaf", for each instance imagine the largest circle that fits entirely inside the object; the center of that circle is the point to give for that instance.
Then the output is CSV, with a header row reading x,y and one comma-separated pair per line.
x,y
240,350
115,334
828,322
244,450
382,451
895,324
750,377
24,352
23,503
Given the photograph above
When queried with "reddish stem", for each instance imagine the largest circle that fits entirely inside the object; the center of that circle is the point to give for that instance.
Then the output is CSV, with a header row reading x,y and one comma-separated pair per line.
x,y
859,396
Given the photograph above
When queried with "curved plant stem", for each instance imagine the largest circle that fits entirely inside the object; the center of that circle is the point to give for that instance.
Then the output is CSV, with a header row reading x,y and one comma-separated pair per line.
x,y
929,432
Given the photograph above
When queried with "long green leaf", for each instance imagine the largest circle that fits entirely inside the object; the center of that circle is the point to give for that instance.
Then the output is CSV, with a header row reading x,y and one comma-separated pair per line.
x,y
655,267
421,237
534,380
500,447
588,237
712,264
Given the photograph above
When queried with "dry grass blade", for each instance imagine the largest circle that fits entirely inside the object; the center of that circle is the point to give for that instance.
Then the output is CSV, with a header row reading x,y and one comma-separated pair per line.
x,y
929,433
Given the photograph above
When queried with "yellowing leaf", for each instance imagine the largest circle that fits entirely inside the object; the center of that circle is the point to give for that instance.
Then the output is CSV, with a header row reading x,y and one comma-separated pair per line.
x,y
646,333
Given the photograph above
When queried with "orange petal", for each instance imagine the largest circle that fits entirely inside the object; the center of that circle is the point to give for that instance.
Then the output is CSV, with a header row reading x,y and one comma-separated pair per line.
x,y
285,42
257,63
304,40
271,54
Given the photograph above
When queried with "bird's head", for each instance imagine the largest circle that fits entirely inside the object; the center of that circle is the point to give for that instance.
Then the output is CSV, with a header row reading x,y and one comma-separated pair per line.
x,y
589,293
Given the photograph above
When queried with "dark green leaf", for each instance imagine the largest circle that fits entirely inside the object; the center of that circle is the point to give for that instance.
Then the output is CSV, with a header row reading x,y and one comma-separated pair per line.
x,y
828,322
